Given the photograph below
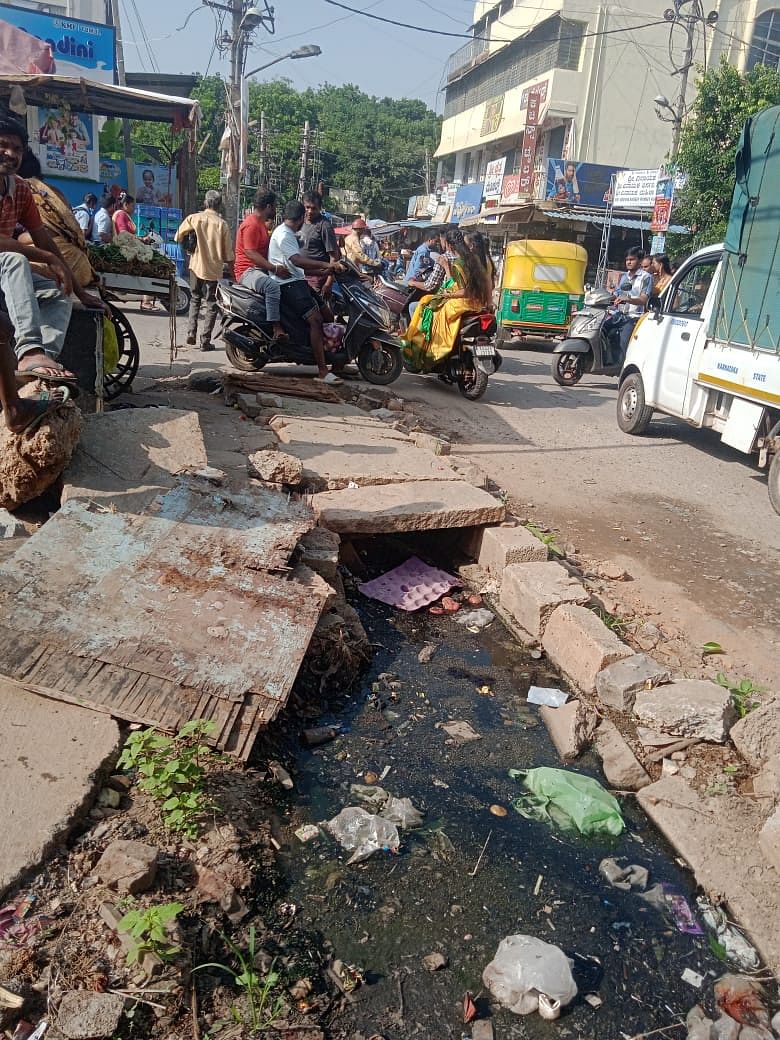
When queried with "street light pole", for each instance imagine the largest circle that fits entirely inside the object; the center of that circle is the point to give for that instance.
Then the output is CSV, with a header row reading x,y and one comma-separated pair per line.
x,y
232,204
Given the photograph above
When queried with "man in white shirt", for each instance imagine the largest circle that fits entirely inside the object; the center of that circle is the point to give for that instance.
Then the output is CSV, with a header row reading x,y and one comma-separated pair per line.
x,y
103,226
284,250
85,214
636,288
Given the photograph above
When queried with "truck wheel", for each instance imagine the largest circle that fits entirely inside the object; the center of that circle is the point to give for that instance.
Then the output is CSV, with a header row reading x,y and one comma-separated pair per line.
x,y
774,482
633,415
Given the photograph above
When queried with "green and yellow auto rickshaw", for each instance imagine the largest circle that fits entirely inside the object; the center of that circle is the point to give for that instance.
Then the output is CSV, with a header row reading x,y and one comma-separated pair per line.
x,y
543,284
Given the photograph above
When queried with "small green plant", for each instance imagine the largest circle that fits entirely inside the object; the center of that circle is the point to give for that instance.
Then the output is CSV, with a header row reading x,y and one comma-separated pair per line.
x,y
264,1007
614,622
149,931
743,693
710,649
172,772
547,539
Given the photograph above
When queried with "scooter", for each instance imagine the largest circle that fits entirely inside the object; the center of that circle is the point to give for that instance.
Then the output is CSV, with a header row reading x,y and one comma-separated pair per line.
x,y
397,296
367,339
473,359
593,343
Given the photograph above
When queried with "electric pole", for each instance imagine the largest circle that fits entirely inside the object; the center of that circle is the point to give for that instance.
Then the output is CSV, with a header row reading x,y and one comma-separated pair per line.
x,y
427,170
679,114
233,199
263,178
304,160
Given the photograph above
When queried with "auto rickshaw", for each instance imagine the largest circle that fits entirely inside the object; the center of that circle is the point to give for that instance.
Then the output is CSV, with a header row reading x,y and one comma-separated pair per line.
x,y
542,286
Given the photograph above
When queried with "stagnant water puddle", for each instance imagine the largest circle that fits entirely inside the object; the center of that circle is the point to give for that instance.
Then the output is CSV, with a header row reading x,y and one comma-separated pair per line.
x,y
386,914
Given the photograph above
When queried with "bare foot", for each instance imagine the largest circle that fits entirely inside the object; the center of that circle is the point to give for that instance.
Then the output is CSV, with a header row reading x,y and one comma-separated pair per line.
x,y
37,363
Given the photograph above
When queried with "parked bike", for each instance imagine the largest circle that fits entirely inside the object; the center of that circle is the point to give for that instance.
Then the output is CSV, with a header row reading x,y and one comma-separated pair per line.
x,y
367,340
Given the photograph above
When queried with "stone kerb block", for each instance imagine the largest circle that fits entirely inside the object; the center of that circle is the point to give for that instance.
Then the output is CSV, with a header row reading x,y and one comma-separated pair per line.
x,y
689,708
581,645
769,840
757,736
619,683
571,727
618,761
530,592
502,546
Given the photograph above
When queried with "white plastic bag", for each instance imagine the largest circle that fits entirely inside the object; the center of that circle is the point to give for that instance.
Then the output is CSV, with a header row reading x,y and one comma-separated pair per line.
x,y
359,832
525,968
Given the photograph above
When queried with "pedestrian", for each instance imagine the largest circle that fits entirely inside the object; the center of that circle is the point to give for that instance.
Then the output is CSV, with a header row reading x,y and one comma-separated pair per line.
x,y
213,251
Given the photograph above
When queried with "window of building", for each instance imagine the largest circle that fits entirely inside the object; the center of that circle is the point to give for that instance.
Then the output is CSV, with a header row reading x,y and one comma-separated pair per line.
x,y
765,47
555,44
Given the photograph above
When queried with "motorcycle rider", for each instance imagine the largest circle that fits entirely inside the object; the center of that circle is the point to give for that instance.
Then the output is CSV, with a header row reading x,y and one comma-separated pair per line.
x,y
636,288
421,260
318,241
252,266
285,251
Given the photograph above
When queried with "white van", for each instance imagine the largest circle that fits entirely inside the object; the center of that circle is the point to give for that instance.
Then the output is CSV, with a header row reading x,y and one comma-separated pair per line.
x,y
675,366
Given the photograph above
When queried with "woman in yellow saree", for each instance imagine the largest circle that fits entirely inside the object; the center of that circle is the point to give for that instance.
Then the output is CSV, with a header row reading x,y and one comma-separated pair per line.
x,y
434,328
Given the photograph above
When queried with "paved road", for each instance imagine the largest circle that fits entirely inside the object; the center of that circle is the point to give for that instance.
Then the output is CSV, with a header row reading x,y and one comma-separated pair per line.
x,y
689,517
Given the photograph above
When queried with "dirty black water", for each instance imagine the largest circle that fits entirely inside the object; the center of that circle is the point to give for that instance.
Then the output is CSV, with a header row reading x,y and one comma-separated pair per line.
x,y
386,914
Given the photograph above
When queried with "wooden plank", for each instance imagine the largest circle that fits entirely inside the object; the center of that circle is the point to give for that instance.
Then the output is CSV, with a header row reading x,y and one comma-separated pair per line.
x,y
289,386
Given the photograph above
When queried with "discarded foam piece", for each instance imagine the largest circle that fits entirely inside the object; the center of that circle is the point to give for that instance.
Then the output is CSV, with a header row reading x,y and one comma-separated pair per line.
x,y
411,586
581,645
530,592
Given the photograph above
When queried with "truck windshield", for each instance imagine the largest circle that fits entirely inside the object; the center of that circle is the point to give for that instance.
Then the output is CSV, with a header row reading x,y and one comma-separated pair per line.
x,y
689,294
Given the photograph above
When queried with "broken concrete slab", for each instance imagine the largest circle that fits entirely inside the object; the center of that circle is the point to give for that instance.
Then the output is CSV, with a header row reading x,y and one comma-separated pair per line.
x,y
766,782
430,442
618,761
249,405
718,836
128,866
10,527
571,727
619,683
30,463
769,840
688,708
413,506
126,458
496,548
530,592
336,454
581,645
757,735
84,1015
52,759
319,550
275,467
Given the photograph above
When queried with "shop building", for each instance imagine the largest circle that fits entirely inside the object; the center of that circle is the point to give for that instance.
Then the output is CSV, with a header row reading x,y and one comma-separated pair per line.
x,y
87,10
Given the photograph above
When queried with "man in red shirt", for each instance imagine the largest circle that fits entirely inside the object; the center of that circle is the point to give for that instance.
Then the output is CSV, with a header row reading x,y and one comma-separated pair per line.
x,y
39,331
252,267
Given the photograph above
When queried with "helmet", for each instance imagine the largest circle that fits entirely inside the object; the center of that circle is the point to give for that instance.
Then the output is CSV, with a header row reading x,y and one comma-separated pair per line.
x,y
359,224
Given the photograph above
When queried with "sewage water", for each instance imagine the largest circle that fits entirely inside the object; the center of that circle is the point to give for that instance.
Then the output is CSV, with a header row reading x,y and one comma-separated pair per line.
x,y
386,914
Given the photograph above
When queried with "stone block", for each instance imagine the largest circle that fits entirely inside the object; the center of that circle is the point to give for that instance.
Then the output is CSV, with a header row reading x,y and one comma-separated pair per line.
x,y
438,445
766,783
769,840
128,866
319,549
618,761
427,505
689,708
530,592
84,1016
10,527
500,547
581,645
275,467
757,736
619,683
249,405
571,727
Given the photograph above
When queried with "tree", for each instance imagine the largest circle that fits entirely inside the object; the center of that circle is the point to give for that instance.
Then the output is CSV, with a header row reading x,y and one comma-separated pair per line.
x,y
708,144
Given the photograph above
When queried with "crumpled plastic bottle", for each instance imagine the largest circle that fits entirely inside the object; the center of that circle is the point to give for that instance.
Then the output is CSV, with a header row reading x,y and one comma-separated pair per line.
x,y
525,970
355,829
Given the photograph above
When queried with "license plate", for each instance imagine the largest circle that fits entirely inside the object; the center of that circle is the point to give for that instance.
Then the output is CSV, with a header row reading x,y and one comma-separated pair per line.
x,y
483,350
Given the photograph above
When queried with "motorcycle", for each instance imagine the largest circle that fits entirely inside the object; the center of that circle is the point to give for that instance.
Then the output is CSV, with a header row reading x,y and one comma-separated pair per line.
x,y
367,339
397,297
473,359
593,343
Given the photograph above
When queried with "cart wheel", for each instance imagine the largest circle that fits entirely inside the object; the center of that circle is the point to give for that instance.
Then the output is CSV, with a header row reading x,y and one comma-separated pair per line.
x,y
116,382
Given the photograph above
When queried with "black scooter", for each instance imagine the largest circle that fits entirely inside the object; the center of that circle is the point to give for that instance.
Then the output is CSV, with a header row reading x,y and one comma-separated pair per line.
x,y
367,340
593,343
473,359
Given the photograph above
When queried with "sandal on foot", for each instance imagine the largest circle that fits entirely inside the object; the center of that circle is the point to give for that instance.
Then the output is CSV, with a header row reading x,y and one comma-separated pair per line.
x,y
52,401
29,375
329,380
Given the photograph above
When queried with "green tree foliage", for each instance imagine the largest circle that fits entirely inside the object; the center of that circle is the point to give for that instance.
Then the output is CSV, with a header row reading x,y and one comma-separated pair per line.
x,y
708,144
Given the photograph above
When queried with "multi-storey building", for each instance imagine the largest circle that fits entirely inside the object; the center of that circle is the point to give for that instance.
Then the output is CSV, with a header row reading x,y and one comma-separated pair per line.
x,y
88,10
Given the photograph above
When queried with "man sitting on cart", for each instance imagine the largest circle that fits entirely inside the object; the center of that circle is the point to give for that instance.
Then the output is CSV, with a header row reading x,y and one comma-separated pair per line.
x,y
39,330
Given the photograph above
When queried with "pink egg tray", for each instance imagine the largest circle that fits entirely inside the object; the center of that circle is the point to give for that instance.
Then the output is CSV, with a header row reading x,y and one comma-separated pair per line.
x,y
411,586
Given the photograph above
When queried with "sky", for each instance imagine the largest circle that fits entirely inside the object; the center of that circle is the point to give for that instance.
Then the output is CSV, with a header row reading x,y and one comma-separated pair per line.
x,y
380,59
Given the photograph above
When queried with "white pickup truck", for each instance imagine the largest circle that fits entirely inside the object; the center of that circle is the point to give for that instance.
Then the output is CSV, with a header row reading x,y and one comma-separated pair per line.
x,y
709,353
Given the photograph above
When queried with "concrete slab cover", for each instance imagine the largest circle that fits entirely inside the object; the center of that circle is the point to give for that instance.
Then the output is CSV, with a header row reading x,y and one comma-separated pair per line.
x,y
719,837
50,754
413,506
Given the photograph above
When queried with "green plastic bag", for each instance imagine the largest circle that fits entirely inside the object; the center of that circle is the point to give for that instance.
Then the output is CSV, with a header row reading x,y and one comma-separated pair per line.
x,y
568,800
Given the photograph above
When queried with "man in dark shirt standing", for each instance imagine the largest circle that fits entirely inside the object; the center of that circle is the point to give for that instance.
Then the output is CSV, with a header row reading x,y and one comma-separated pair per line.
x,y
318,242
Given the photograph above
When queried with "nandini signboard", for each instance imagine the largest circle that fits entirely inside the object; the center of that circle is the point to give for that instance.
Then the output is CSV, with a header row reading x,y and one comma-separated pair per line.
x,y
33,42
468,202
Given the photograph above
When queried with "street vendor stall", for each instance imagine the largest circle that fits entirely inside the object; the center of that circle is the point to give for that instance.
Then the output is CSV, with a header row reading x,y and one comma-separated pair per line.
x,y
121,271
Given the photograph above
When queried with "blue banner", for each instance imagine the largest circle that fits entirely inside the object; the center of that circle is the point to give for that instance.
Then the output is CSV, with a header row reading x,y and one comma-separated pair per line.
x,y
468,202
571,183
32,42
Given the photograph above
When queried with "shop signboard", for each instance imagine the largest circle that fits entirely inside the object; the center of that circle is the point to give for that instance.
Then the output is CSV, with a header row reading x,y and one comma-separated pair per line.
x,y
155,185
528,155
510,189
494,176
662,207
491,120
572,183
467,203
433,204
411,207
635,189
541,92
35,42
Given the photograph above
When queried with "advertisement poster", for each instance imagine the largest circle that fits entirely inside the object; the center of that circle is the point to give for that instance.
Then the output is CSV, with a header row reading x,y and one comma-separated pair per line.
x,y
468,202
635,189
155,185
541,92
662,208
579,184
494,177
67,143
510,189
34,42
491,120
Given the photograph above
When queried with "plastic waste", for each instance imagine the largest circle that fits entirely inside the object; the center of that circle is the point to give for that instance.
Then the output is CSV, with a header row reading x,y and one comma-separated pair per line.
x,y
362,834
698,1025
567,799
670,900
371,796
624,878
528,974
743,999
738,949
474,618
549,695
401,812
